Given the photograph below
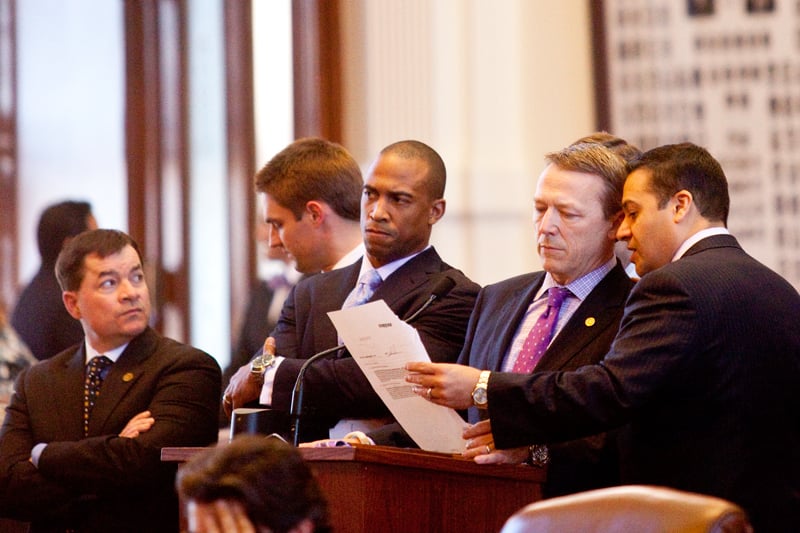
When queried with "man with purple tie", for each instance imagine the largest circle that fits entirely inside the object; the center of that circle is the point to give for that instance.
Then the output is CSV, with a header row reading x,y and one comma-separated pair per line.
x,y
705,366
564,316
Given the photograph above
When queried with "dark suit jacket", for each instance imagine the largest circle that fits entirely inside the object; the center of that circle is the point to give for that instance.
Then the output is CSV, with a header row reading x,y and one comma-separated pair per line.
x,y
336,388
256,326
575,465
41,319
705,368
103,482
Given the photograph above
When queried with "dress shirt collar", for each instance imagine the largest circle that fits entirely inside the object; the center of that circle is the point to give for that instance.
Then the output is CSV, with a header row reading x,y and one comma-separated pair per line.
x,y
697,237
351,256
292,275
581,287
114,354
387,270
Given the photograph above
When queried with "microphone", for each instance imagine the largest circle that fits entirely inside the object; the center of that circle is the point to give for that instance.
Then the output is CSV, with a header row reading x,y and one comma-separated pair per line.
x,y
439,290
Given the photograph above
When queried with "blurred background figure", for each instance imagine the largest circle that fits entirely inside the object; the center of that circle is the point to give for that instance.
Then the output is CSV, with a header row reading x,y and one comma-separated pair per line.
x,y
39,316
252,484
14,356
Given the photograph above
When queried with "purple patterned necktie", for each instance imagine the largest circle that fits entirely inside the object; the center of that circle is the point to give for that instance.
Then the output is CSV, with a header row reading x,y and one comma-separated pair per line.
x,y
542,332
91,386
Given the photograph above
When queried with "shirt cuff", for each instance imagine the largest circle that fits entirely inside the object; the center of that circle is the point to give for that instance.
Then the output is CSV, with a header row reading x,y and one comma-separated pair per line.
x,y
36,452
269,382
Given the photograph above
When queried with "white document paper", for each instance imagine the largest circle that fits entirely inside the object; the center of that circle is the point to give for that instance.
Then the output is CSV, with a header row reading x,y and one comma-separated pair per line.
x,y
382,344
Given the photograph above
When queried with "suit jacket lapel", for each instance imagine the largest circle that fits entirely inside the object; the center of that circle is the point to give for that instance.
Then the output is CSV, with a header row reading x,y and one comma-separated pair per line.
x,y
121,377
316,300
594,314
68,389
510,315
406,279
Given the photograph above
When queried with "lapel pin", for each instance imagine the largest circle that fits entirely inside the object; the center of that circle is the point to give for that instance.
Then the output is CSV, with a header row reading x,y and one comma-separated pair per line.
x,y
127,377
590,322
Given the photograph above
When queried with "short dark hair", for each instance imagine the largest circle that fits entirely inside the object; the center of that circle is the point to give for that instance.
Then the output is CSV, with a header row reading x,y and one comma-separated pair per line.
x,y
58,222
313,169
595,159
266,475
686,166
70,266
437,173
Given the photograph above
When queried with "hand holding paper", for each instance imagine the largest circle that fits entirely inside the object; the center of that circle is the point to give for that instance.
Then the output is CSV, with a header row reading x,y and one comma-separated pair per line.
x,y
382,344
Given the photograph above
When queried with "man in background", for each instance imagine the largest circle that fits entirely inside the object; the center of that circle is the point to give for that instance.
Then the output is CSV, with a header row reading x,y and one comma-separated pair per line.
x,y
576,214
402,199
704,368
39,317
310,195
80,448
14,357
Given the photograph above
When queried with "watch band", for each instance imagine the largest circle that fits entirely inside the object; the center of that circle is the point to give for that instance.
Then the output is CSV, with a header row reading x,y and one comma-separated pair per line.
x,y
538,455
480,397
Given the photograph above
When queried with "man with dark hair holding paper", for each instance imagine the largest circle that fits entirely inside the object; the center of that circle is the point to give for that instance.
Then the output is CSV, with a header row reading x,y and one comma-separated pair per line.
x,y
704,368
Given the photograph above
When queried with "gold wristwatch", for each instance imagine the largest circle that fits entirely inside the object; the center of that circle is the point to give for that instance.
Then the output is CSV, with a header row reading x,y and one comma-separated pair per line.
x,y
260,364
480,397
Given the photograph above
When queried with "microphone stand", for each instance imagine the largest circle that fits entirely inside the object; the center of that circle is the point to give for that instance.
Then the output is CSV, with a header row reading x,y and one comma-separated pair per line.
x,y
296,407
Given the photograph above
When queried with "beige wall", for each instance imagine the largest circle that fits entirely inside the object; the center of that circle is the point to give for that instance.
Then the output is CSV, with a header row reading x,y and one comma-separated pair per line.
x,y
492,86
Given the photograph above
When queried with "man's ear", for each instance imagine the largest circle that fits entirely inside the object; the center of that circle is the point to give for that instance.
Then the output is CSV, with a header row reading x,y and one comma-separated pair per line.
x,y
316,211
437,211
70,300
616,220
682,202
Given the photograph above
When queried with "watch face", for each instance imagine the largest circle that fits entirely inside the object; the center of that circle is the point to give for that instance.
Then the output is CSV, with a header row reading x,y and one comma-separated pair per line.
x,y
259,365
479,396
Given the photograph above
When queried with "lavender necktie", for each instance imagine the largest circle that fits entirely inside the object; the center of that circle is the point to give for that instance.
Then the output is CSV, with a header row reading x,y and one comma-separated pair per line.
x,y
542,332
364,289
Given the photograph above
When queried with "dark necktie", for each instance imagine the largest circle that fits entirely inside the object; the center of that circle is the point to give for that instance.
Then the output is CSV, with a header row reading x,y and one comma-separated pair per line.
x,y
95,372
365,288
542,332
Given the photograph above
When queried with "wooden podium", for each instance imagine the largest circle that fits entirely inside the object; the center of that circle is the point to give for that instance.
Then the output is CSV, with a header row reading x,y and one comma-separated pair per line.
x,y
377,488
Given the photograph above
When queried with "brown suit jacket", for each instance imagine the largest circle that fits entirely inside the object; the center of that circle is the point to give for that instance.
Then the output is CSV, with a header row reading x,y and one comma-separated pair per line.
x,y
104,482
